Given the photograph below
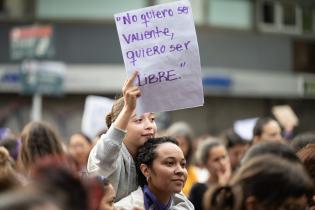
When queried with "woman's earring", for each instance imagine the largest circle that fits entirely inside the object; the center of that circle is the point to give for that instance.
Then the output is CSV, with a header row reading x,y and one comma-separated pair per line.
x,y
148,179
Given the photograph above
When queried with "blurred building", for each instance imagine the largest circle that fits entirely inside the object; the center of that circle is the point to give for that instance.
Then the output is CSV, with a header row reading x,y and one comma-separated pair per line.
x,y
254,54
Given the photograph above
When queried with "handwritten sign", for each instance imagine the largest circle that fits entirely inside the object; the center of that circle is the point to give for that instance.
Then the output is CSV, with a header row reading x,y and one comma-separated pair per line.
x,y
160,42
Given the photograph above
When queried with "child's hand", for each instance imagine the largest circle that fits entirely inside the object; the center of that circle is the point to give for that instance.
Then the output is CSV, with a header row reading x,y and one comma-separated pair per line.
x,y
131,92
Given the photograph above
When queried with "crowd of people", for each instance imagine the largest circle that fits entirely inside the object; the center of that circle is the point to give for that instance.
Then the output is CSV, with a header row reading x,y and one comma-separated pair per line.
x,y
132,165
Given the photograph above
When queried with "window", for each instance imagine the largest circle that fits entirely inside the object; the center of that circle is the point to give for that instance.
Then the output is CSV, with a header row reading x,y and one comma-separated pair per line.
x,y
268,12
304,56
308,20
279,16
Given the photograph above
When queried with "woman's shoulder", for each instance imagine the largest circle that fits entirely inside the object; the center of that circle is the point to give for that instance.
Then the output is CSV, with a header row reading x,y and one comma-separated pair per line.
x,y
135,199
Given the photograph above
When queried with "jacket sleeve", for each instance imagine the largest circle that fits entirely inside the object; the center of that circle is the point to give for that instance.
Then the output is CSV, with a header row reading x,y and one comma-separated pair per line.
x,y
104,156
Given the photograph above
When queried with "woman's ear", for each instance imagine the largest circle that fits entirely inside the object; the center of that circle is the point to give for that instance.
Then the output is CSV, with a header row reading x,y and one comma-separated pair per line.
x,y
145,170
251,203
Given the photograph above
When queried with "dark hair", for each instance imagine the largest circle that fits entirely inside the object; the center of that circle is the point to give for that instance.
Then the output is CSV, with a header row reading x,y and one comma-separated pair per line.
x,y
116,109
206,146
231,139
12,145
273,148
302,140
38,140
260,123
146,155
256,178
307,156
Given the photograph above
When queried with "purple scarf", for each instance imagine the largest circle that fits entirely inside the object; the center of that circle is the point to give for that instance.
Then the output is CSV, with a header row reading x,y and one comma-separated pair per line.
x,y
150,201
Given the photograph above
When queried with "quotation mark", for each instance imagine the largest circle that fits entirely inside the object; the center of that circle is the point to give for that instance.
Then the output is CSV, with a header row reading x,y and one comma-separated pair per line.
x,y
182,65
118,18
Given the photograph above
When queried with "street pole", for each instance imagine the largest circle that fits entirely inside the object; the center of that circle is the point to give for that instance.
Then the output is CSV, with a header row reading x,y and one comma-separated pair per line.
x,y
36,113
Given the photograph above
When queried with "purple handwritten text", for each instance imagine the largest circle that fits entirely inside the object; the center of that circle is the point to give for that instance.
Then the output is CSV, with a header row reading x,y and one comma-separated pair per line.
x,y
147,34
158,77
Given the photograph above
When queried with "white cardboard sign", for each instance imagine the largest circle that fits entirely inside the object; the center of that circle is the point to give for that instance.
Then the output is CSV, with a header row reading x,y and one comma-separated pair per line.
x,y
160,43
95,110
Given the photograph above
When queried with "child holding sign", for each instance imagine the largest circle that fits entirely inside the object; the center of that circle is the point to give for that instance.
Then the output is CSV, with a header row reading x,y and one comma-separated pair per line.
x,y
113,155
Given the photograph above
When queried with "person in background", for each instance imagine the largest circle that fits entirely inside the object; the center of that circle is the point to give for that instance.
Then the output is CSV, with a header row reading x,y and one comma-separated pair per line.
x,y
114,154
54,176
307,156
79,148
161,169
266,129
236,147
37,141
184,135
8,174
108,199
215,158
301,140
266,182
282,150
27,200
12,145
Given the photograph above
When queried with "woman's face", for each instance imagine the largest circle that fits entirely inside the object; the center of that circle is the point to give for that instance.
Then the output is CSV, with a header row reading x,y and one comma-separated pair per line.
x,y
218,161
107,202
140,129
79,148
168,173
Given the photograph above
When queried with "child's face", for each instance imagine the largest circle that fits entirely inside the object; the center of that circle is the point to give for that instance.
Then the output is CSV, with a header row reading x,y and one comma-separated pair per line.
x,y
140,129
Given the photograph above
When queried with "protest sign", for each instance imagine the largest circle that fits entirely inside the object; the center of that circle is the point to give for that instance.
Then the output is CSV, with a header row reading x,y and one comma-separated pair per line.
x,y
244,128
160,43
286,116
95,110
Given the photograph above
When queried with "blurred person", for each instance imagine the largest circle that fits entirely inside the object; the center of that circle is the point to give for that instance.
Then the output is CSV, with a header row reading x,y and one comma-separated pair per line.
x,y
114,154
307,156
12,145
301,140
202,172
27,200
282,150
108,199
265,182
79,148
55,176
95,190
184,135
266,129
161,169
37,141
8,174
236,147
214,157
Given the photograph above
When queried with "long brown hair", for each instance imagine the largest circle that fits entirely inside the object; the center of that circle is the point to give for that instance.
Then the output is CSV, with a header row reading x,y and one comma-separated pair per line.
x,y
38,140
